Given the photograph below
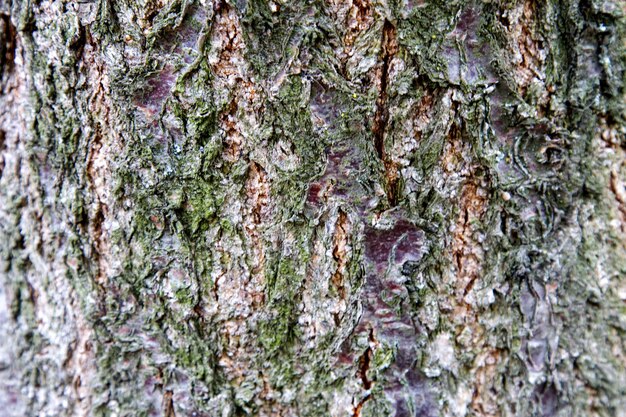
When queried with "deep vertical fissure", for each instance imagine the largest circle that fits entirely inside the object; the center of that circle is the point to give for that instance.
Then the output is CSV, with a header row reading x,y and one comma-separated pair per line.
x,y
389,48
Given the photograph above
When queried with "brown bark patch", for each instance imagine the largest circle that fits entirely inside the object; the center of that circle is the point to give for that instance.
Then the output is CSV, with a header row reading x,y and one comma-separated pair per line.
x,y
359,18
526,46
389,48
168,405
340,253
97,169
365,361
364,365
257,207
468,255
232,135
257,192
227,41
229,67
484,400
467,252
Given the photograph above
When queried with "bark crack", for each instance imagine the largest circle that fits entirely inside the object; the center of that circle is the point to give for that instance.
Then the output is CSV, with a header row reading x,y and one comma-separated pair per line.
x,y
8,43
168,404
364,365
389,48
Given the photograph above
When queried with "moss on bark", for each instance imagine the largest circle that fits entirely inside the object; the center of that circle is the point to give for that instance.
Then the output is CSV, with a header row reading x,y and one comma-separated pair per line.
x,y
313,208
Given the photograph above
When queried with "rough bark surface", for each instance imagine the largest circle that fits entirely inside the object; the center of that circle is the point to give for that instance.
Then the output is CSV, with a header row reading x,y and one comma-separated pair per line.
x,y
312,208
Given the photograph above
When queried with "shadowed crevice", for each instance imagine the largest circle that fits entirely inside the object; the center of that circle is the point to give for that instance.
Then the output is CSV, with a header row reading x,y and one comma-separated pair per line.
x,y
389,47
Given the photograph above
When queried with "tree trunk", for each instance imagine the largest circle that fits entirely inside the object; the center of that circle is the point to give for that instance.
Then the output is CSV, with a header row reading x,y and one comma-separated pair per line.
x,y
312,208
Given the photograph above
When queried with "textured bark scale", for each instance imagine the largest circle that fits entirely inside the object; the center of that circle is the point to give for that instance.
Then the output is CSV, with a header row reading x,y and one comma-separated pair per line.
x,y
312,208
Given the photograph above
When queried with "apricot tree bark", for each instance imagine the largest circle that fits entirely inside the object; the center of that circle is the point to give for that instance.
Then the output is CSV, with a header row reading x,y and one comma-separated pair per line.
x,y
312,208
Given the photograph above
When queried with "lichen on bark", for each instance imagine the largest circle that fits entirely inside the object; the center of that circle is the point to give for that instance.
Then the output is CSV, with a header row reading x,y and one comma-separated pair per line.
x,y
246,207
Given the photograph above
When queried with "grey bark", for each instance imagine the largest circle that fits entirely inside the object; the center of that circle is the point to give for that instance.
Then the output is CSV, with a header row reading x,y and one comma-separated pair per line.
x,y
312,208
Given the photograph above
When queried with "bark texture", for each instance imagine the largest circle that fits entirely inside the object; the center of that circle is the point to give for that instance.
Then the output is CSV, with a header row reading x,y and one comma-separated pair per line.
x,y
312,208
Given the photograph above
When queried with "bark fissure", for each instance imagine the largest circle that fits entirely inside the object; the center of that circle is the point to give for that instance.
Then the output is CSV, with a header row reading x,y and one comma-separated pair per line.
x,y
8,45
389,47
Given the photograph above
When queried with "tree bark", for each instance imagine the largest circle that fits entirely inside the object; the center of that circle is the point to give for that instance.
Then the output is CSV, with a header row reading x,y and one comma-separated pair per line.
x,y
312,208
